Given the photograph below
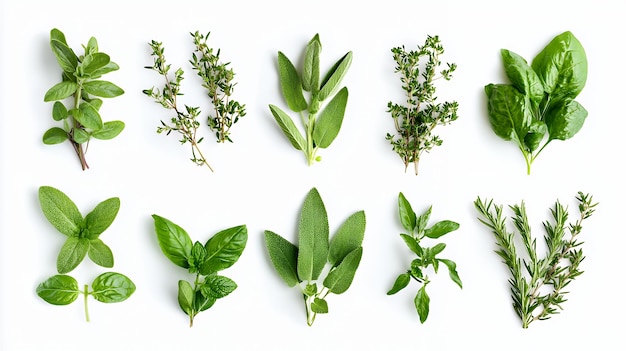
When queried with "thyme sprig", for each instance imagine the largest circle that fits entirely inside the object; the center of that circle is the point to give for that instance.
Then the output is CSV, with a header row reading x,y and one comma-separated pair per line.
x,y
415,122
537,284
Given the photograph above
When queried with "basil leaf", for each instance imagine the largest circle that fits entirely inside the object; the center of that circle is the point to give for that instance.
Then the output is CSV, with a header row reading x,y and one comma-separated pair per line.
x,y
59,112
173,240
72,254
109,130
452,270
89,117
334,77
330,120
348,237
101,217
319,305
565,119
60,91
509,113
54,135
60,211
562,67
284,257
536,132
290,84
288,127
65,56
407,215
185,297
313,235
94,62
412,244
441,228
100,253
102,88
522,76
401,282
311,77
197,258
339,279
217,286
422,302
224,249
59,290
112,287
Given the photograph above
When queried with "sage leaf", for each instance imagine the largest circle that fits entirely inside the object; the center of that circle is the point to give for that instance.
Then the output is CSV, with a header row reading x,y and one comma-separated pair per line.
x,y
60,211
565,119
59,112
509,113
290,84
452,270
319,305
311,76
224,249
313,235
288,127
401,282
330,120
217,286
109,130
348,237
441,228
407,215
59,290
334,77
339,279
72,254
173,240
60,91
102,88
112,287
284,257
185,297
101,217
89,118
422,304
100,253
54,135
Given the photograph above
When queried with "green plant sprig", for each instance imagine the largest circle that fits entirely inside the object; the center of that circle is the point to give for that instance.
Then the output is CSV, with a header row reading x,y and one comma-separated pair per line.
x,y
185,122
204,261
81,81
416,120
530,277
303,265
426,256
320,127
218,80
538,106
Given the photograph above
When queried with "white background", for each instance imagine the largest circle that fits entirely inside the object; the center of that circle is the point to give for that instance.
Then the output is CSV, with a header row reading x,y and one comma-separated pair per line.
x,y
261,181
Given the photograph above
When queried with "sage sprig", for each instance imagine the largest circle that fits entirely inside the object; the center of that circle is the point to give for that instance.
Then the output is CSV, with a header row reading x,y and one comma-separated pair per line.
x,y
416,226
204,261
217,79
81,80
537,284
320,126
416,120
538,106
303,265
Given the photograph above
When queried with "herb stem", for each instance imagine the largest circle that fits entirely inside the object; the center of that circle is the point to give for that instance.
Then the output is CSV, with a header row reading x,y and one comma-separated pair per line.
x,y
85,301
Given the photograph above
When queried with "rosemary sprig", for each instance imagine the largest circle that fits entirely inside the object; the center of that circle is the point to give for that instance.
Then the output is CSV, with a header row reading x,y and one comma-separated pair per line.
x,y
537,284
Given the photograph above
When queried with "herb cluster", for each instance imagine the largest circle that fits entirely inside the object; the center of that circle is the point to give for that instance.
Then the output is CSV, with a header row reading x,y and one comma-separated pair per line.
x,y
416,120
416,226
204,261
537,284
81,80
538,106
302,265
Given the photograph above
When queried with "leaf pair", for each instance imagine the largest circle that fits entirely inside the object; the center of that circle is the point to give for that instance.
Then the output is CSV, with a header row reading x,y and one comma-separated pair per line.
x,y
538,106
220,252
320,131
303,264
417,228
82,233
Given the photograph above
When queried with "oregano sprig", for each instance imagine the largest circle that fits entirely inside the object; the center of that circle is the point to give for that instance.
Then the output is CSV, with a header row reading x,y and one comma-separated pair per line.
x,y
303,265
415,121
81,80
416,226
538,283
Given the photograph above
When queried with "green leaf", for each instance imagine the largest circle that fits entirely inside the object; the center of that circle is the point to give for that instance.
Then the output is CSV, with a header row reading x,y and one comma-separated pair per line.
x,y
330,120
72,254
319,305
101,217
509,112
284,257
441,228
311,76
202,302
109,130
94,62
536,133
54,135
217,286
197,258
89,118
422,302
522,76
60,211
81,136
565,119
59,112
224,249
412,244
437,249
102,88
60,91
56,34
562,67
334,77
110,67
348,237
422,220
100,253
452,270
112,287
407,215
173,240
59,290
401,282
339,279
289,128
185,297
92,46
65,56
313,237
290,84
